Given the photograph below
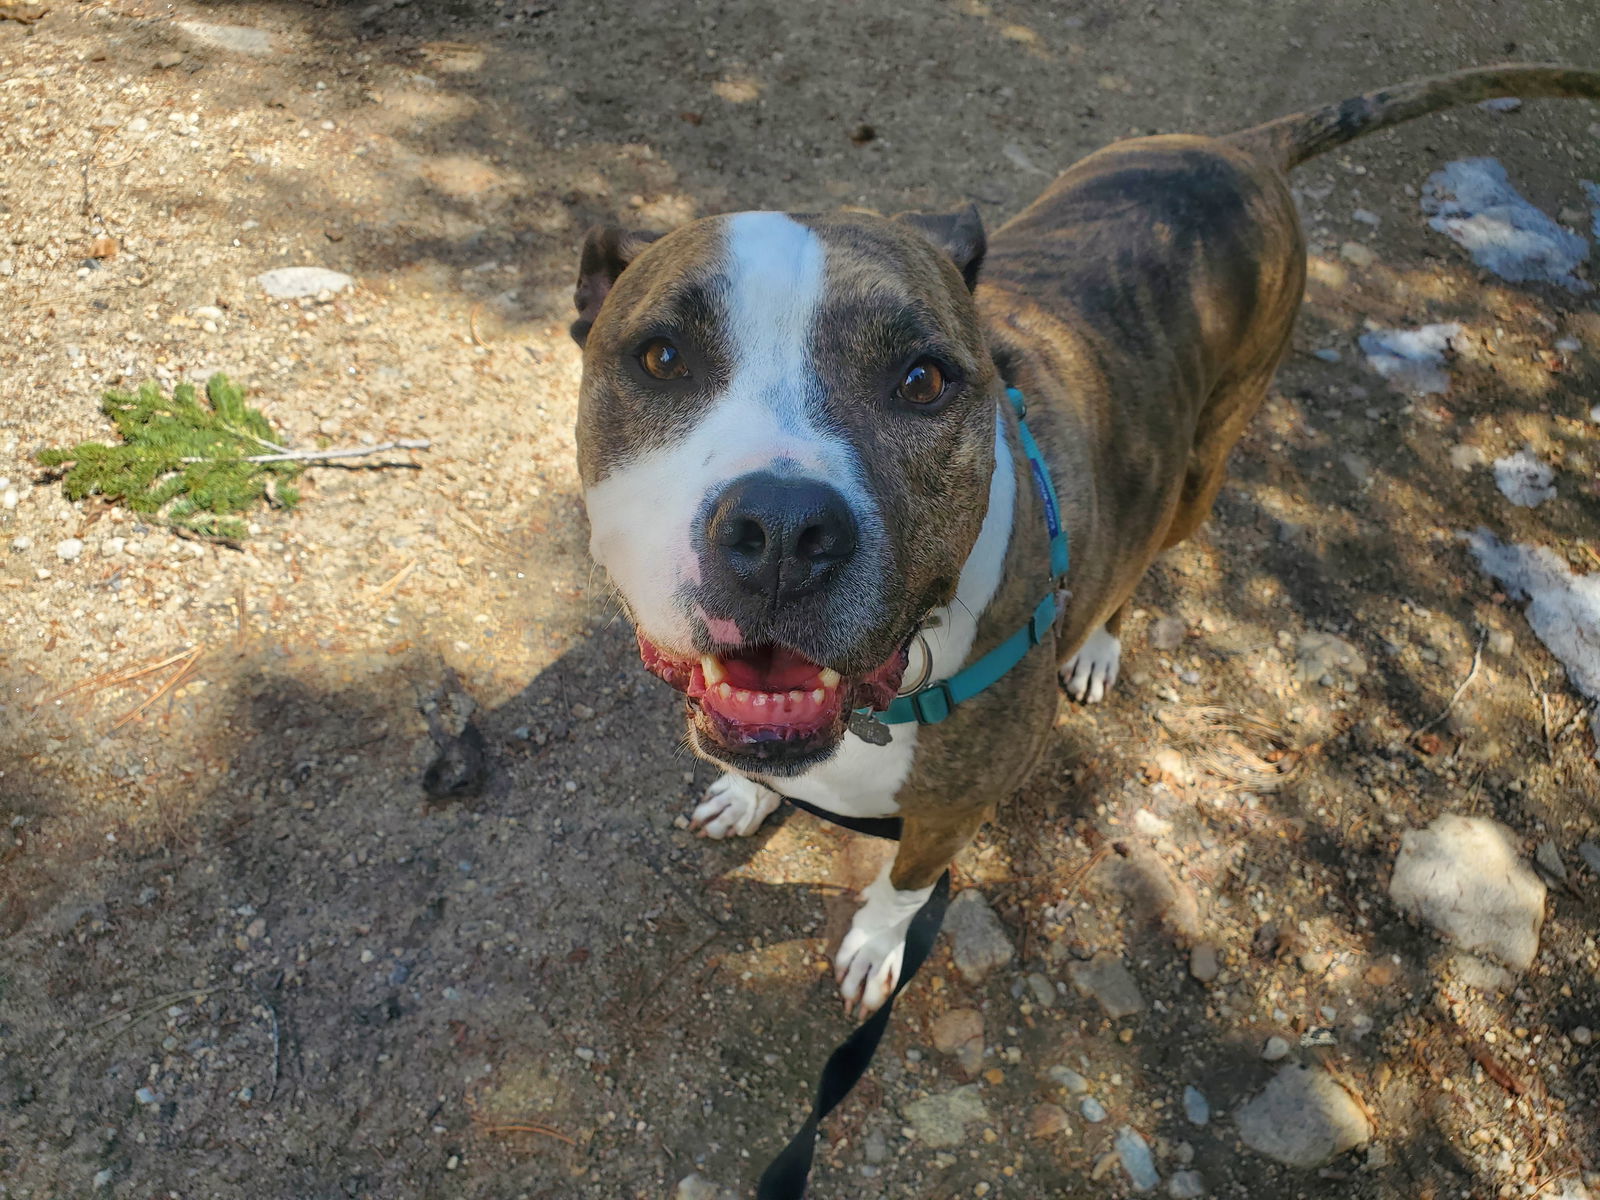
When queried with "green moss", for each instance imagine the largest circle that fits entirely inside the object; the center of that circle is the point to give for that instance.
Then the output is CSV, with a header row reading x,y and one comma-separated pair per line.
x,y
183,460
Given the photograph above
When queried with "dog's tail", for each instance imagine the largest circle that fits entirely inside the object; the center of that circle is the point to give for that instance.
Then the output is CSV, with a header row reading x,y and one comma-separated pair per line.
x,y
1289,141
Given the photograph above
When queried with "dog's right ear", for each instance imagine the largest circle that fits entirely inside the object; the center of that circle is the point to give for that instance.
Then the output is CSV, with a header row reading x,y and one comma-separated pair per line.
x,y
607,251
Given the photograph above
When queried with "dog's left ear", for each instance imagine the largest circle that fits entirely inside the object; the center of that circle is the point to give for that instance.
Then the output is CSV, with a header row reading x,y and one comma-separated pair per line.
x,y
959,234
607,251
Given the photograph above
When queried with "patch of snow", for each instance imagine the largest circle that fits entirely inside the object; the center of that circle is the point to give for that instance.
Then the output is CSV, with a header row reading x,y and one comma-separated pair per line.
x,y
1563,608
1472,202
1412,360
1524,479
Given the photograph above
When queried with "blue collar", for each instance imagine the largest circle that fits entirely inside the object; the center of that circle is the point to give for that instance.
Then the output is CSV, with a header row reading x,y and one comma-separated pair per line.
x,y
931,704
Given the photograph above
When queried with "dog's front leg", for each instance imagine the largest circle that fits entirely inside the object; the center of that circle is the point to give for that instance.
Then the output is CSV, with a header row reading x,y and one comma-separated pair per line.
x,y
733,806
868,963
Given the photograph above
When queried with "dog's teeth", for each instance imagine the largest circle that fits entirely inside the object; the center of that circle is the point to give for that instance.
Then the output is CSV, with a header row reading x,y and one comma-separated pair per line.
x,y
725,691
742,696
819,695
711,668
829,677
796,697
759,699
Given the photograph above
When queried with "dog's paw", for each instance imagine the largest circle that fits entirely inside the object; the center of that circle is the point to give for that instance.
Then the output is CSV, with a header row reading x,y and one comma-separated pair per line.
x,y
1089,674
868,963
733,807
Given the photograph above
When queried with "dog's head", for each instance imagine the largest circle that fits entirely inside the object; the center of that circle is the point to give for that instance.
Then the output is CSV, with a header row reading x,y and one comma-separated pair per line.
x,y
785,433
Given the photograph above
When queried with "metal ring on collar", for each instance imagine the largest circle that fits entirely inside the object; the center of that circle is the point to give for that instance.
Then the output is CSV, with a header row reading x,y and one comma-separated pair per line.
x,y
927,667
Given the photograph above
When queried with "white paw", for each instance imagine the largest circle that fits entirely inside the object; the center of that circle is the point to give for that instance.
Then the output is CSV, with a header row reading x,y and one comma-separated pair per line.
x,y
868,963
1089,674
733,807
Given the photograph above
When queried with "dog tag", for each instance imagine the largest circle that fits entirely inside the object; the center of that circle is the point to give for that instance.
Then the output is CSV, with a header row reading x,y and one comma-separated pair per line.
x,y
869,729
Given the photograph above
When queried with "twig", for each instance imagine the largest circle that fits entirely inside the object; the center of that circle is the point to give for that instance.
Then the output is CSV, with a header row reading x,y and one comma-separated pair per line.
x,y
277,1043
1544,708
179,676
319,455
115,678
560,1137
1477,657
156,1005
387,589
472,324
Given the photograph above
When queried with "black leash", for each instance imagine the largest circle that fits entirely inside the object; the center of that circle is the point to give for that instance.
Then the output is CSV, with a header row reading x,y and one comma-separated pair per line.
x,y
785,1177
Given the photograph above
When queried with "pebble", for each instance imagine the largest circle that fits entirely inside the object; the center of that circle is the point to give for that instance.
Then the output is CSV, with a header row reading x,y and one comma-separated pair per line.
x,y
8,498
1108,981
1093,1111
1186,1185
1047,1120
1136,1158
941,1121
960,1032
1501,104
1582,1035
1068,1078
103,1177
1275,1049
1367,217
1320,654
1590,853
147,1096
296,283
1044,992
1327,354
695,1187
1465,877
1195,1106
21,542
1568,345
240,39
1303,1118
69,549
1548,856
1356,253
113,546
978,942
1203,962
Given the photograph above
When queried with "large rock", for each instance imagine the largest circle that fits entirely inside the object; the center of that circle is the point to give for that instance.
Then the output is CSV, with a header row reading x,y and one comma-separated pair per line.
x,y
1110,983
941,1121
1465,877
296,283
978,942
1303,1118
238,39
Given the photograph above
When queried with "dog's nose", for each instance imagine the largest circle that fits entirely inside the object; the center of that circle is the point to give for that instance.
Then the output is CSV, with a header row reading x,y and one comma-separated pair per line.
x,y
780,537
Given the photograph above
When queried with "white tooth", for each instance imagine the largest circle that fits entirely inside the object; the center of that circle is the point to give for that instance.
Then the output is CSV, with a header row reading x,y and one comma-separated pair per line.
x,y
743,696
711,668
725,691
829,677
796,697
819,696
759,699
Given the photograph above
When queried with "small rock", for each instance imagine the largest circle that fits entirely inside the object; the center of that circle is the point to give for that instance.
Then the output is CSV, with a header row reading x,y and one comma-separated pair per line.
x,y
168,59
103,1177
1327,354
1168,633
1195,1106
1108,981
113,546
876,1148
1186,1185
1356,253
1581,1035
960,1032
9,498
1154,892
978,942
1590,853
21,542
1093,1111
695,1187
941,1121
295,283
1068,1078
1568,345
147,1096
1367,217
1501,642
1047,1120
1319,654
1136,1158
1303,1118
1275,1049
1501,104
1044,992
1548,856
240,39
1465,877
69,549
1464,458
1203,962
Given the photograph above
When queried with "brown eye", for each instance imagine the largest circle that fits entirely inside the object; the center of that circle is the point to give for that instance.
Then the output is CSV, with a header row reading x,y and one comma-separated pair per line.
x,y
923,384
663,360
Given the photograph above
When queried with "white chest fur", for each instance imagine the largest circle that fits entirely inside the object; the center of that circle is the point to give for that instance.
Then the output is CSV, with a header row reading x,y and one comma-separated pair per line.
x,y
862,780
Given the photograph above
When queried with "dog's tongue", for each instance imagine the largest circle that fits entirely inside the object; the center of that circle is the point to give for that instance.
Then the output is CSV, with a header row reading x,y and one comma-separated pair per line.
x,y
770,669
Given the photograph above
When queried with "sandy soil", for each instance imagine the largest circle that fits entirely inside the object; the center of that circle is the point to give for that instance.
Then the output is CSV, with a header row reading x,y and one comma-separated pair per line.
x,y
245,955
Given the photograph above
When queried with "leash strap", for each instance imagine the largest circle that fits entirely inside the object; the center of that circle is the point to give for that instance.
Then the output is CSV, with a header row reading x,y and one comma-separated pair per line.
x,y
786,1175
934,703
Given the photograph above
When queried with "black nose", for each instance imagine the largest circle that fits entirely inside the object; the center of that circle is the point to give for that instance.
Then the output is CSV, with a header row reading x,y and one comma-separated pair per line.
x,y
780,537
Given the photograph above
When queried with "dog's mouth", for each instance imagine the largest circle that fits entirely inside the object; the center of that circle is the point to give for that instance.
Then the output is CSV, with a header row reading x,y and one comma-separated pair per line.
x,y
769,707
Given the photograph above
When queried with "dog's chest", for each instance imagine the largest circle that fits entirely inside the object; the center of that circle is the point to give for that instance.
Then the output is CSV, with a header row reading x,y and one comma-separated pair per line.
x,y
861,780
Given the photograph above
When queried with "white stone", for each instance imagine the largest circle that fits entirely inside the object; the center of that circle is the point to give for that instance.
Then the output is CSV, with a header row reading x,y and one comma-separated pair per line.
x,y
1303,1118
296,283
1465,877
69,548
1275,1049
240,39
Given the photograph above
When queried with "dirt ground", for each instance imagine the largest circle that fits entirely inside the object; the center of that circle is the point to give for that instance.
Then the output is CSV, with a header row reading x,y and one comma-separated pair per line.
x,y
243,954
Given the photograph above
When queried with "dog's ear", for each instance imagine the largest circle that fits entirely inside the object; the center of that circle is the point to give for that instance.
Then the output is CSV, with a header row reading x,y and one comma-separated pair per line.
x,y
959,234
607,251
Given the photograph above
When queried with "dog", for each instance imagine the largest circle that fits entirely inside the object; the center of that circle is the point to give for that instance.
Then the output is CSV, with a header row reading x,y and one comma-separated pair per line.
x,y
806,484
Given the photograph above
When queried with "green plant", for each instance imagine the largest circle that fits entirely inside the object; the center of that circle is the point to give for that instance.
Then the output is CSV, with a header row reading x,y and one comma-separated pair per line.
x,y
193,464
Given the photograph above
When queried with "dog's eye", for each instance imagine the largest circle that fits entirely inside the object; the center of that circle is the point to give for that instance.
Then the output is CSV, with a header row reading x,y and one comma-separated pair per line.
x,y
663,360
923,384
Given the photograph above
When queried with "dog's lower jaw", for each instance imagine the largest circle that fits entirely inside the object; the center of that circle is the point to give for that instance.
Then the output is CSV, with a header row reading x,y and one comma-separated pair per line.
x,y
868,963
